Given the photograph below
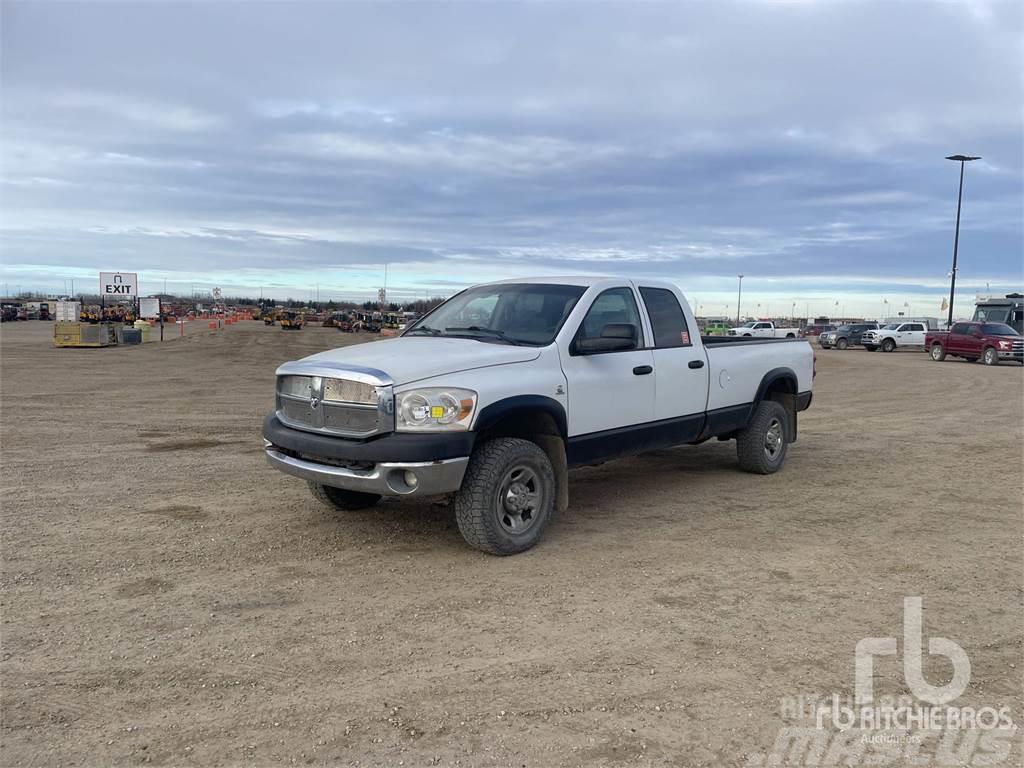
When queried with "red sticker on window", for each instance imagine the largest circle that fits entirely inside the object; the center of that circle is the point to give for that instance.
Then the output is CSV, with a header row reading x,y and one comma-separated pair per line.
x,y
685,336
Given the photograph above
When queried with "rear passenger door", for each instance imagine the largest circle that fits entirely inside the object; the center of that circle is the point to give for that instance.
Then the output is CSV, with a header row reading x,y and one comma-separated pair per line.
x,y
680,368
913,334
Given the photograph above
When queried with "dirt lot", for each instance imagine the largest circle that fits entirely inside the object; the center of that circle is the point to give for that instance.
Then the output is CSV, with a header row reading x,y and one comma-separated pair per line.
x,y
168,598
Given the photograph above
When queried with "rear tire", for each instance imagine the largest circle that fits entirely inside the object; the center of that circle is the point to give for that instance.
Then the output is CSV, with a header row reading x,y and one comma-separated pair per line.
x,y
842,344
507,496
888,345
761,447
990,356
938,353
341,498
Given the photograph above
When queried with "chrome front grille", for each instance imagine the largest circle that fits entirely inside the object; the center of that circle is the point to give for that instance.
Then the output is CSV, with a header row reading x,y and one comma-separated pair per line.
x,y
349,402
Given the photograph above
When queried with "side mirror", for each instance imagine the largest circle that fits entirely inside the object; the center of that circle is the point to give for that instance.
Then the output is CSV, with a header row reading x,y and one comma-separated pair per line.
x,y
615,337
976,333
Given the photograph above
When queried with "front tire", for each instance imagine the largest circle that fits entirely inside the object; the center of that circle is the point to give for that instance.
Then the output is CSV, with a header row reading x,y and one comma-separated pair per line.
x,y
507,496
342,499
990,356
761,447
938,353
842,344
888,345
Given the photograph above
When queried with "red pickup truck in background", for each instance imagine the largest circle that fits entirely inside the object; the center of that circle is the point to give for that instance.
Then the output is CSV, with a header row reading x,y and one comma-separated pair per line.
x,y
988,342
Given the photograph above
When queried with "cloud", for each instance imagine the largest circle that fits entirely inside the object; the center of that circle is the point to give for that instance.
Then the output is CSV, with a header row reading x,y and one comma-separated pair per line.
x,y
796,142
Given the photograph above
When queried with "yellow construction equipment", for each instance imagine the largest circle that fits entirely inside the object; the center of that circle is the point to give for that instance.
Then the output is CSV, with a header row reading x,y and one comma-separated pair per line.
x,y
292,321
67,334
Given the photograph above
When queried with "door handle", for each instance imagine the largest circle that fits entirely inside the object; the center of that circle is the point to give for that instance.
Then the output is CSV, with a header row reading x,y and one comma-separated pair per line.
x,y
696,364
642,370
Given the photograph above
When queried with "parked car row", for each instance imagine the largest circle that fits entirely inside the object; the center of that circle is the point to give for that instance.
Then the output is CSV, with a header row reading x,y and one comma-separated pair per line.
x,y
990,343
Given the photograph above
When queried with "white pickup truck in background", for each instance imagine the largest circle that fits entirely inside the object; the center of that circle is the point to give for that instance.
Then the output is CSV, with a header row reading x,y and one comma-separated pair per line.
x,y
764,330
895,335
496,393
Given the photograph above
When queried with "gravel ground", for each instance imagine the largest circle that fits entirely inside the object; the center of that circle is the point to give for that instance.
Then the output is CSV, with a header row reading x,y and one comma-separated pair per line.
x,y
169,599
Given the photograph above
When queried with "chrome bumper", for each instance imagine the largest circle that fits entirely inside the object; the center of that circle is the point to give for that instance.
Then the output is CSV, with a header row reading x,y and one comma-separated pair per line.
x,y
433,478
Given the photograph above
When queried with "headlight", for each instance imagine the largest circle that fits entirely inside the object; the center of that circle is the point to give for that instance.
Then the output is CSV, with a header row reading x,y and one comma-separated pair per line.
x,y
434,409
1005,344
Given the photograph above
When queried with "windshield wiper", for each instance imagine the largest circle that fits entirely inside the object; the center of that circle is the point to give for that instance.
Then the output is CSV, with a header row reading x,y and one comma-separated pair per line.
x,y
424,329
492,331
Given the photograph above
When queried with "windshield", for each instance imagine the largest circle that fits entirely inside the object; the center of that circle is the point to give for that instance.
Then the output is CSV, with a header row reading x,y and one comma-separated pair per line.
x,y
892,326
992,314
998,329
503,313
751,324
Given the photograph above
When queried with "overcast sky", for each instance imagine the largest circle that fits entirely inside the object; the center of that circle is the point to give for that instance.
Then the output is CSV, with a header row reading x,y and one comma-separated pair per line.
x,y
281,146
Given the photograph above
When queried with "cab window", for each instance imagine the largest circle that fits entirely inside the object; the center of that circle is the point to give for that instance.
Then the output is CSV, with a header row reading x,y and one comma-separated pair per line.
x,y
613,307
667,319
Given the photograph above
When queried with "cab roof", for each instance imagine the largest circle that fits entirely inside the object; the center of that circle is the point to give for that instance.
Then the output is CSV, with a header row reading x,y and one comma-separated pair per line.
x,y
587,281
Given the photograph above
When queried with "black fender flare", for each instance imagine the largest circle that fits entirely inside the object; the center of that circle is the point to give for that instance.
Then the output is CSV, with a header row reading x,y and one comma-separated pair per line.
x,y
554,445
500,409
773,376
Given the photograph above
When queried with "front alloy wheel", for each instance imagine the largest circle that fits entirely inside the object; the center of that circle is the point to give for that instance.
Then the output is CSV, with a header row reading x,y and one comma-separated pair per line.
x,y
991,357
888,345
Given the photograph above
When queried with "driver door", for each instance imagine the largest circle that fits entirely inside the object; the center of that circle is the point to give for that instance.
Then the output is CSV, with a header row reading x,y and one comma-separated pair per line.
x,y
609,390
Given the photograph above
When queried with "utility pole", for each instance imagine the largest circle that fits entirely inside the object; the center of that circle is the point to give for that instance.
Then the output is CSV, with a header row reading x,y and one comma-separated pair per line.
x,y
739,297
962,159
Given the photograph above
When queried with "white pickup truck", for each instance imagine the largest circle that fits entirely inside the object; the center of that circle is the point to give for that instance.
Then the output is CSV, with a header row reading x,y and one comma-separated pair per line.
x,y
764,330
496,393
893,335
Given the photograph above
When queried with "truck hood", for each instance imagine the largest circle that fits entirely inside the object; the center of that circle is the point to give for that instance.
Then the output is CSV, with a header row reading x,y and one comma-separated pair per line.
x,y
411,358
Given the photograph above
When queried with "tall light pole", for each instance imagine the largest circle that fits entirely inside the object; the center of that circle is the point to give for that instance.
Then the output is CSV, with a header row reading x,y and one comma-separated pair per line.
x,y
962,159
739,296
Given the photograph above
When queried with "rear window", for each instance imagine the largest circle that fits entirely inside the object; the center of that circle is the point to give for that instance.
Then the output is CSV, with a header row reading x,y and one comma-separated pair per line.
x,y
667,319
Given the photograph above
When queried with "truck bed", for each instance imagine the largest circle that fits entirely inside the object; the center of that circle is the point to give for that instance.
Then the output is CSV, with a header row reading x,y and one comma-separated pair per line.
x,y
738,365
710,341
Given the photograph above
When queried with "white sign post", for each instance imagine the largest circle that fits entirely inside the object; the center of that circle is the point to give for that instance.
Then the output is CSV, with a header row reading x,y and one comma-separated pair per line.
x,y
150,308
119,285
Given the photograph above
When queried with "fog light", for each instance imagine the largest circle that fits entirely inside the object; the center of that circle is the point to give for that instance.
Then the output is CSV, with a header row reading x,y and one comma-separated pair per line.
x,y
410,478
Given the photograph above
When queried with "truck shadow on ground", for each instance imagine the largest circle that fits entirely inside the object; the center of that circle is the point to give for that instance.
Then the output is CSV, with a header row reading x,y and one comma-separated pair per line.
x,y
620,490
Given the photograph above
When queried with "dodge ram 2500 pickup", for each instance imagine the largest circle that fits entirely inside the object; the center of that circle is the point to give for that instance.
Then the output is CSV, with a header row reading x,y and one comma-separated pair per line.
x,y
764,330
495,394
